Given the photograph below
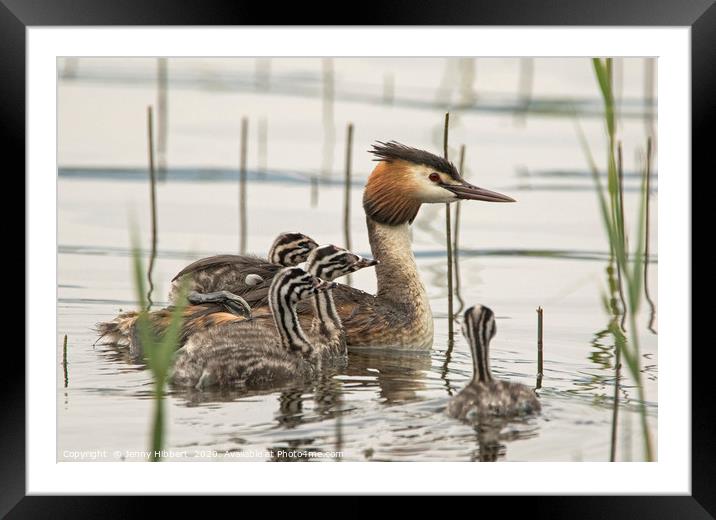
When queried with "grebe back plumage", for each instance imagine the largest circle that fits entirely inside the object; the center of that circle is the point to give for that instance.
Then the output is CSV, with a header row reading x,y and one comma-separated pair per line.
x,y
229,272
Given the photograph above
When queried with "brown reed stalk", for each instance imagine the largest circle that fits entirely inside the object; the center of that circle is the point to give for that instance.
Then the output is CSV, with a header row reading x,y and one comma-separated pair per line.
x,y
314,191
162,116
152,203
347,194
448,241
242,186
263,146
540,347
646,237
455,241
64,360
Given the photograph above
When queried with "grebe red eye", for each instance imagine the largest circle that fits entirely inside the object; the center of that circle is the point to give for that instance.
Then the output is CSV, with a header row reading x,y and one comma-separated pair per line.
x,y
434,177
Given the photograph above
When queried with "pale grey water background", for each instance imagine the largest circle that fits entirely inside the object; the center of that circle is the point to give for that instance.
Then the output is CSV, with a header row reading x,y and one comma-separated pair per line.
x,y
548,249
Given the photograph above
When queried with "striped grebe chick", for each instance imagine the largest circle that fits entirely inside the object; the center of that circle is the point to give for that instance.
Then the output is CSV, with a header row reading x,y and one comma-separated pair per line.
x,y
242,273
485,396
399,315
330,262
260,352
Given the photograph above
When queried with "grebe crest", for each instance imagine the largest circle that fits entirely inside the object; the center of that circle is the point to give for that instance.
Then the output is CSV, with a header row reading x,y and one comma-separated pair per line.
x,y
407,177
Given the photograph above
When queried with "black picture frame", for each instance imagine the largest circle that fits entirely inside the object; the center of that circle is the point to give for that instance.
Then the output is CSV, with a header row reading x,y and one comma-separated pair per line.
x,y
700,15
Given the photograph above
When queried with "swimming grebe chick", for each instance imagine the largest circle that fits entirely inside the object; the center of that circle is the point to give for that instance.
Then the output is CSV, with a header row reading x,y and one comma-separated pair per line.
x,y
260,352
232,273
485,396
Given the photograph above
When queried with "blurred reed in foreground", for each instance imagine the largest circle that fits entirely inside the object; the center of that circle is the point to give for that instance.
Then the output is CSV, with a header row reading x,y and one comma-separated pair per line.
x,y
159,351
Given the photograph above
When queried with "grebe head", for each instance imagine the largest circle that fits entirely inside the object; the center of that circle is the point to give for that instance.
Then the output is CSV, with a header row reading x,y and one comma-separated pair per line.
x,y
330,262
407,177
291,249
479,328
293,284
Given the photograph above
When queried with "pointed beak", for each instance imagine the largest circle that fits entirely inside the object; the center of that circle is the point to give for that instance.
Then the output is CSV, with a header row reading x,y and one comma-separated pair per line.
x,y
365,262
360,264
468,191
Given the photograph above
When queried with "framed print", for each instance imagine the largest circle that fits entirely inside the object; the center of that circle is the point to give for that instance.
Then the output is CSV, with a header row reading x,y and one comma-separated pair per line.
x,y
393,250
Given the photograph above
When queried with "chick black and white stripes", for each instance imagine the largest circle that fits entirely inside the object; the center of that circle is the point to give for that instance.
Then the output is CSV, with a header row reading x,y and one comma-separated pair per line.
x,y
290,286
290,249
479,328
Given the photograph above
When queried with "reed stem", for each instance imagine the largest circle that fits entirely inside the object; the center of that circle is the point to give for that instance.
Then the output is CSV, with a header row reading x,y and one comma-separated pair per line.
x,y
263,146
329,124
347,195
652,315
314,191
615,410
242,186
64,360
540,347
456,240
622,237
448,241
162,116
388,89
152,203
525,88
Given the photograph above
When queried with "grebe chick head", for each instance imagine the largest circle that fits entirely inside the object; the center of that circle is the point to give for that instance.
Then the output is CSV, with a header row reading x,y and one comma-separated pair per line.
x,y
479,328
293,284
330,262
291,249
407,177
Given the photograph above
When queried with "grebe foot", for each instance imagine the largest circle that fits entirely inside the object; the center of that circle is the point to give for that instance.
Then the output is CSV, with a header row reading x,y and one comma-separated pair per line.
x,y
205,380
233,303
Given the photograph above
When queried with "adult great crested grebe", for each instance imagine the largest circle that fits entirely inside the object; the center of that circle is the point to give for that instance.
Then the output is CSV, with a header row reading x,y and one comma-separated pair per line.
x,y
259,352
399,315
484,396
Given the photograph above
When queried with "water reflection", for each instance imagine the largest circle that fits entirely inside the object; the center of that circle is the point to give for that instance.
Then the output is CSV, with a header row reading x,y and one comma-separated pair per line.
x,y
397,377
492,436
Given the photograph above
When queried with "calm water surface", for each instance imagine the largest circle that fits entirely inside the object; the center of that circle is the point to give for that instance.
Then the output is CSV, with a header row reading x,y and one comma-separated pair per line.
x,y
383,406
